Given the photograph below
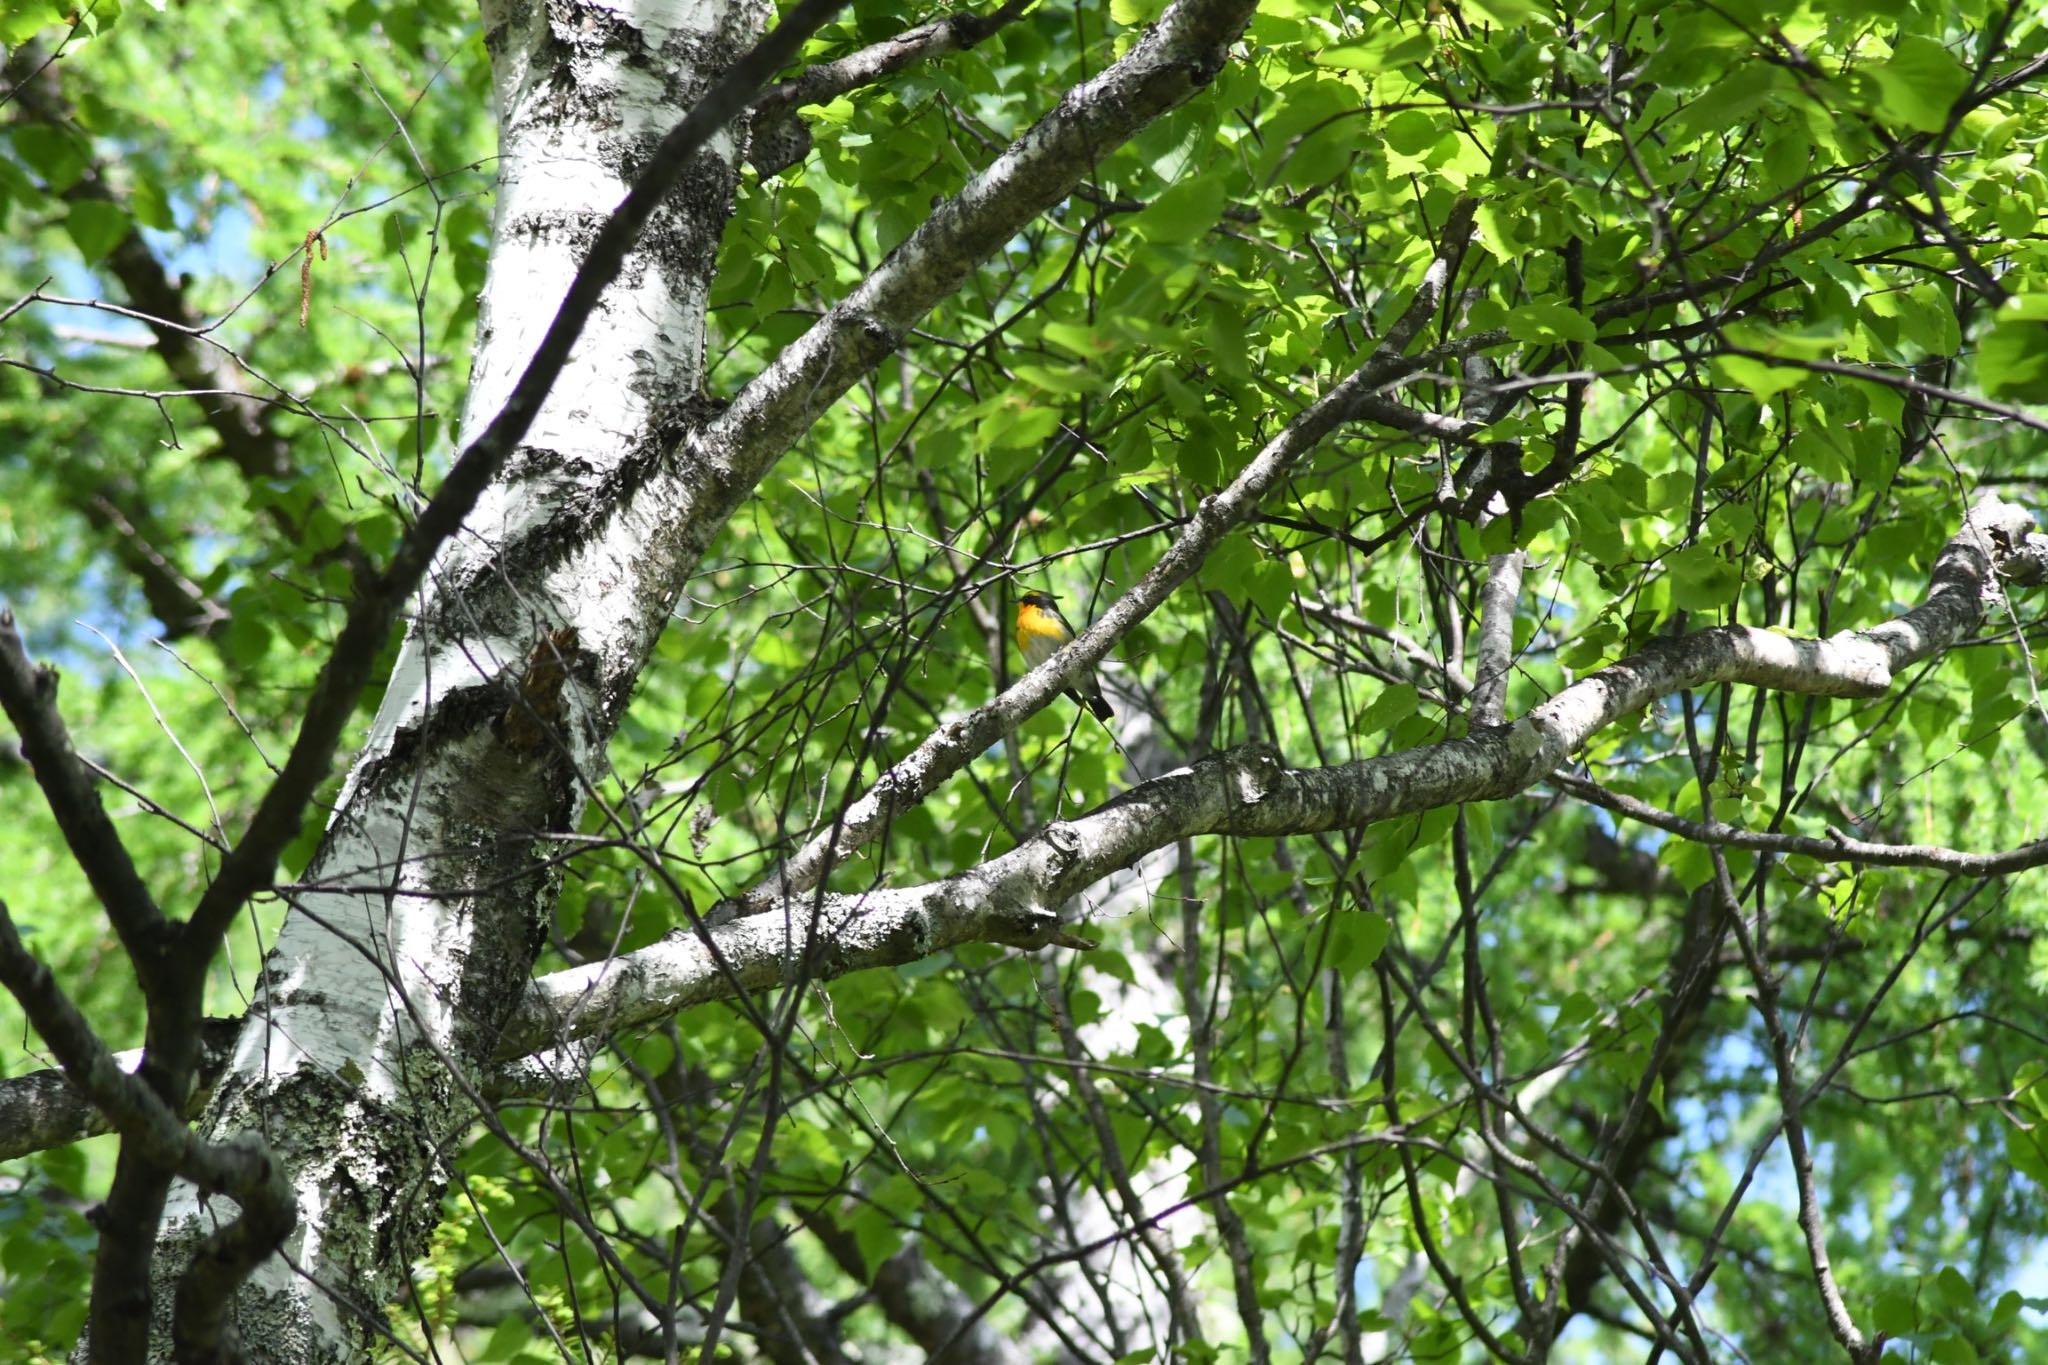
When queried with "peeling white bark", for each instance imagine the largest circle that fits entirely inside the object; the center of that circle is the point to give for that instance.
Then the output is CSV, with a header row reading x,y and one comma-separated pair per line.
x,y
365,995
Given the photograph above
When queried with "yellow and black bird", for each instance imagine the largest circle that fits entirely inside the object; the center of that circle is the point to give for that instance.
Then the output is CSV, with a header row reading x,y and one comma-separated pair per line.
x,y
1041,630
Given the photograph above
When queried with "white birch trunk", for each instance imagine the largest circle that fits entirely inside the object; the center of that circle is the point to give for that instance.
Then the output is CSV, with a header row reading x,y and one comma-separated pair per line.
x,y
378,996
387,990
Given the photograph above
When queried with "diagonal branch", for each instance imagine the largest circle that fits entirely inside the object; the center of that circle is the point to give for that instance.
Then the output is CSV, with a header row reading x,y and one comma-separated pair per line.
x,y
174,599
1178,56
1859,1348
28,693
1014,898
955,744
778,138
242,1169
238,417
829,80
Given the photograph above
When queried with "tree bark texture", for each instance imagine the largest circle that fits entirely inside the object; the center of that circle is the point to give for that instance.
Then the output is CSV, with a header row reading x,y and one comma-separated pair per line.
x,y
388,988
379,1001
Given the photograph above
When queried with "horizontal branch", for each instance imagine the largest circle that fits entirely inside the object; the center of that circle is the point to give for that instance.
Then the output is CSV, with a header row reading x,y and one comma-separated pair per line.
x,y
1837,847
242,1169
40,1110
1015,898
1904,383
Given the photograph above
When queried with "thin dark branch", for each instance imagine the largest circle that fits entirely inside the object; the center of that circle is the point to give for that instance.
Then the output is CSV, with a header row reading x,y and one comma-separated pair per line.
x,y
829,80
28,693
1837,847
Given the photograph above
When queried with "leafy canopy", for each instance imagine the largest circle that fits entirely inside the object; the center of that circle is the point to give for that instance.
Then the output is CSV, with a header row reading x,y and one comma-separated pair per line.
x,y
1755,303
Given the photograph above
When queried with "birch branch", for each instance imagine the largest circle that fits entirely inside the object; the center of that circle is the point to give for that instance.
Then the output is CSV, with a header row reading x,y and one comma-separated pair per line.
x,y
1837,847
1178,56
956,743
1496,646
1015,898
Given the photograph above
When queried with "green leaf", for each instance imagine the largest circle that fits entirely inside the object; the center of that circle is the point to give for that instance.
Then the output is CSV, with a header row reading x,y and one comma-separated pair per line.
x,y
1198,460
23,20
1017,424
1813,450
246,638
1692,864
1550,322
151,209
1955,1290
1701,579
1817,341
1500,232
980,1182
2012,359
1270,588
2030,307
2026,1148
1788,157
1062,379
1393,704
1953,1350
1412,132
1440,1343
16,188
1184,212
772,650
1356,938
1920,84
55,154
1732,100
1576,1009
1085,342
1513,14
1894,1314
878,1224
1393,48
1229,565
1758,377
